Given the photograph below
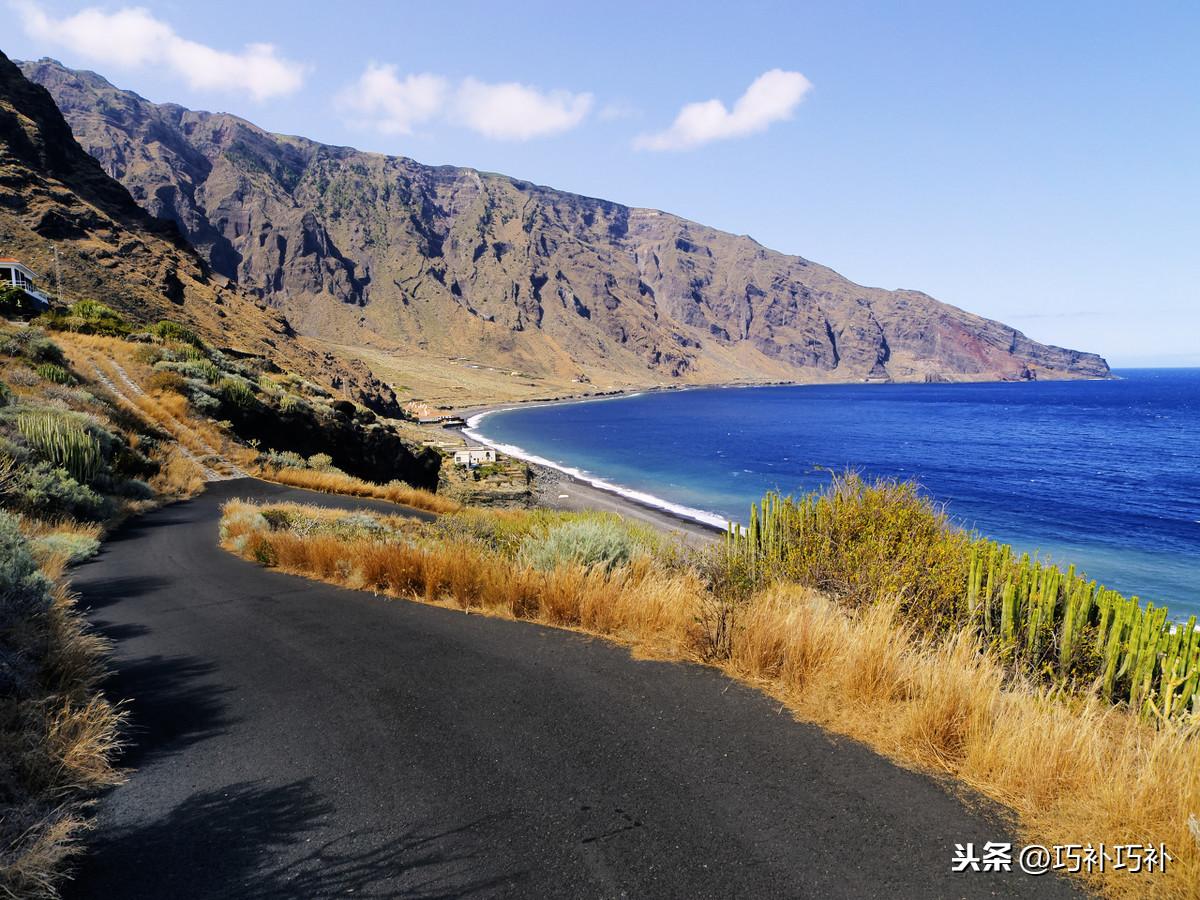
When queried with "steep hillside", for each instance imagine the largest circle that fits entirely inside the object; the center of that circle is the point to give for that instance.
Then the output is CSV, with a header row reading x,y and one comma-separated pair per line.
x,y
54,197
373,251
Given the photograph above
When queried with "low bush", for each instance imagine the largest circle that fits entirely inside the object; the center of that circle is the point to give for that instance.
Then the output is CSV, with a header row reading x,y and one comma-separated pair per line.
x,y
603,541
167,382
236,390
43,489
168,330
86,317
68,546
16,303
201,369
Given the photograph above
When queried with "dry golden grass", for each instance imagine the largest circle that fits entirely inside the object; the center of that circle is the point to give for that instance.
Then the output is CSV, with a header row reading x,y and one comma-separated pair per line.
x,y
1075,770
203,441
59,755
340,483
32,527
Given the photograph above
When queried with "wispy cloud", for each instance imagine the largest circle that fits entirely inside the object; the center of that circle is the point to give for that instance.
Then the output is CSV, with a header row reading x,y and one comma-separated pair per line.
x,y
133,38
507,111
772,97
391,104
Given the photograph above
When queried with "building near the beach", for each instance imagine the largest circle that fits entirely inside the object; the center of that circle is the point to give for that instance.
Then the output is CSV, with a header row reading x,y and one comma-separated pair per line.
x,y
474,456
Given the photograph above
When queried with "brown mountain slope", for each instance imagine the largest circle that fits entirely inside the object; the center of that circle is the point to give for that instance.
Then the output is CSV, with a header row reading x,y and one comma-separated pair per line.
x,y
368,250
54,196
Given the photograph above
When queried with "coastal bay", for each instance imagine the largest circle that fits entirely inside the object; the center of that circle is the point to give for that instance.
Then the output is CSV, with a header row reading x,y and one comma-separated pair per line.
x,y
1098,474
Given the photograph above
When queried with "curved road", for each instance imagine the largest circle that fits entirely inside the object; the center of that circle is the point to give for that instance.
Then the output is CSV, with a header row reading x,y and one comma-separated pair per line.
x,y
292,739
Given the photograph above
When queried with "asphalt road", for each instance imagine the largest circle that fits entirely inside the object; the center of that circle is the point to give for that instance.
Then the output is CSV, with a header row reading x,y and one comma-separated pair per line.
x,y
291,739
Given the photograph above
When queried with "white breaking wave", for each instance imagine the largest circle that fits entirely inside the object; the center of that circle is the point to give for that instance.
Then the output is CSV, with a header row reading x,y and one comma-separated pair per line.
x,y
677,509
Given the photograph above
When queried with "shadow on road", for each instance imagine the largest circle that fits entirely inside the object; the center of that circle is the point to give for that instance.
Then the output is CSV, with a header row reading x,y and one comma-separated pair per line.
x,y
101,592
268,843
170,705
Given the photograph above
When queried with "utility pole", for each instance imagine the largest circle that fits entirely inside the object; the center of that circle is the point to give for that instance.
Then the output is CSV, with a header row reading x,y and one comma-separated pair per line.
x,y
57,277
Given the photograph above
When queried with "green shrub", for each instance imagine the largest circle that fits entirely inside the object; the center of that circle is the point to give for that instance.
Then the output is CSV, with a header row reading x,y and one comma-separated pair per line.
x,y
16,304
64,439
6,394
859,542
173,331
291,403
282,459
235,389
45,490
74,548
202,401
55,373
200,369
86,317
41,349
595,541
94,310
181,352
322,462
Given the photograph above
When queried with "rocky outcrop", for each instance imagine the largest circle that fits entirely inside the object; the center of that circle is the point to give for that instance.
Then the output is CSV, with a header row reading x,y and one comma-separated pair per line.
x,y
353,438
366,249
62,215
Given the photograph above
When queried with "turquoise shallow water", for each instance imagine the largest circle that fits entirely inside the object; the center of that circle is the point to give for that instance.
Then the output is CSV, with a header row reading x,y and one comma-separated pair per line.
x,y
1103,474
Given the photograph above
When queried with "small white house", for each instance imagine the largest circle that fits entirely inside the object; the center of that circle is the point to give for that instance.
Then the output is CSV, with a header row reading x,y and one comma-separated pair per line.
x,y
14,273
474,456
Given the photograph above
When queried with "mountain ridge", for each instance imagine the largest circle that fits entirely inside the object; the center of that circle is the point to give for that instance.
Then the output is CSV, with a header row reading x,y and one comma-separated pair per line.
x,y
60,213
375,251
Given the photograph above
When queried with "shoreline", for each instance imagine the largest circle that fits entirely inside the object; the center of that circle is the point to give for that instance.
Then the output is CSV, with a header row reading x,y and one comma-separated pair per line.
x,y
593,492
559,486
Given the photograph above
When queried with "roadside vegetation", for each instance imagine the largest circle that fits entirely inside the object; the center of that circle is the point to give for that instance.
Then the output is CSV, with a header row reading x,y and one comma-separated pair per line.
x,y
101,418
863,611
73,461
317,473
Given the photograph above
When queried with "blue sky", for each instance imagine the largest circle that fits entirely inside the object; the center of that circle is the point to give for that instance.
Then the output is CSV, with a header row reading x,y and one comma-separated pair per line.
x,y
1034,162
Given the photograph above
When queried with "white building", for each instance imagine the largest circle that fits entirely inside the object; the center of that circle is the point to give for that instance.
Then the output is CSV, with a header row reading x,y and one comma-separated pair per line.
x,y
14,273
474,456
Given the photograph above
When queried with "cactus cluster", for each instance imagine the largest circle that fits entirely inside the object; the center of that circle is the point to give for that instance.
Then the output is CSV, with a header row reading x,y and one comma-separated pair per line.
x,y
1068,627
55,373
64,439
1052,624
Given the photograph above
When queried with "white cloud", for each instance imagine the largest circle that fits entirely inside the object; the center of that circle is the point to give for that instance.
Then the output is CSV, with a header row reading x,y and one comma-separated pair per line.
x,y
509,111
516,112
132,37
772,97
391,105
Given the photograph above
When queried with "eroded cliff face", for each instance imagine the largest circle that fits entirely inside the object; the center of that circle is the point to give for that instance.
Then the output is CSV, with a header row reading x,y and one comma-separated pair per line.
x,y
366,249
56,197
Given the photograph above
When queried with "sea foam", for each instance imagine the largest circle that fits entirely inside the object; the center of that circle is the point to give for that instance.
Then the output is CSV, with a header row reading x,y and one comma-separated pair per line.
x,y
640,497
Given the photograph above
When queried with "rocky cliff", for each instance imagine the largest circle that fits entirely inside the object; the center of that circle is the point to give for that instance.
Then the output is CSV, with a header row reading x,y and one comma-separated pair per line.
x,y
63,216
370,250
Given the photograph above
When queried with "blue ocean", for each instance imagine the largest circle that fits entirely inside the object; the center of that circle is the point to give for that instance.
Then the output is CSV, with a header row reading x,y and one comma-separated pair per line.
x,y
1102,474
